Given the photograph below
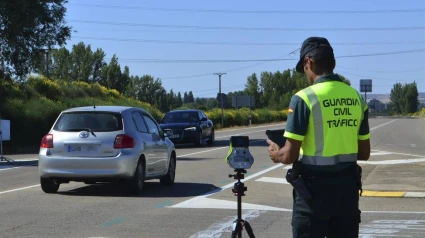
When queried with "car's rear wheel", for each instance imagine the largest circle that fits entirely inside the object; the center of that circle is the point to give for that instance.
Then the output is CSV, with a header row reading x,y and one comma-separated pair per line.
x,y
49,185
211,140
169,178
137,183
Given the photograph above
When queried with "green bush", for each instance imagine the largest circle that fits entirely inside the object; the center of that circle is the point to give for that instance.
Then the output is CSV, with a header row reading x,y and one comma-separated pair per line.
x,y
45,87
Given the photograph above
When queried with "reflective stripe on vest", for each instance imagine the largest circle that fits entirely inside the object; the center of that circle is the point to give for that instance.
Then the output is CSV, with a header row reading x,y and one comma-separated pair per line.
x,y
317,119
328,160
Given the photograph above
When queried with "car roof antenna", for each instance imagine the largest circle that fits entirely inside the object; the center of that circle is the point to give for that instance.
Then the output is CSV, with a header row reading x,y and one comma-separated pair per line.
x,y
94,105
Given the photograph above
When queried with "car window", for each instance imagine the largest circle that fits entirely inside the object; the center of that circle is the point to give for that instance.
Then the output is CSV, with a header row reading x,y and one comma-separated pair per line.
x,y
138,121
153,128
181,116
95,121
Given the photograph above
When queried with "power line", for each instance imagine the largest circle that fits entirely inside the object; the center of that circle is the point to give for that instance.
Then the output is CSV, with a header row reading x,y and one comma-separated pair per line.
x,y
249,28
383,71
260,60
231,70
386,79
239,43
250,11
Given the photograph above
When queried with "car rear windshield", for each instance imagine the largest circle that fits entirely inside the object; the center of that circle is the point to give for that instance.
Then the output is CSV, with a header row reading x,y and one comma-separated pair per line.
x,y
175,117
91,121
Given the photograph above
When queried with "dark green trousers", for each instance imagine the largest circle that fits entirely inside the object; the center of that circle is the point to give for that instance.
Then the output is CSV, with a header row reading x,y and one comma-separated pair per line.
x,y
333,212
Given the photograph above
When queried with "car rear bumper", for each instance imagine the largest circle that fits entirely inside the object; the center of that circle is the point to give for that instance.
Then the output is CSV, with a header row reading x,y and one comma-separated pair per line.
x,y
121,166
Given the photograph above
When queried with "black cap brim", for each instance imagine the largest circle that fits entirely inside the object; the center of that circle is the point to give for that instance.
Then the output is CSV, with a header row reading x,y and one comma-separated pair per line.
x,y
300,66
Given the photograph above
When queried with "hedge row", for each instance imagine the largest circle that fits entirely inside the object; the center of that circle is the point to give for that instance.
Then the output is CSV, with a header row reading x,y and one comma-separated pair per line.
x,y
32,108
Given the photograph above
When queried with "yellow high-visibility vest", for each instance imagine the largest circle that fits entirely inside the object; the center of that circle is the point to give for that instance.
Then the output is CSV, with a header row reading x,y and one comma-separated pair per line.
x,y
336,113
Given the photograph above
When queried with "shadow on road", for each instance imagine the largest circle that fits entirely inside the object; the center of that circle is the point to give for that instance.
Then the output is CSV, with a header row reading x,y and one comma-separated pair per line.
x,y
151,189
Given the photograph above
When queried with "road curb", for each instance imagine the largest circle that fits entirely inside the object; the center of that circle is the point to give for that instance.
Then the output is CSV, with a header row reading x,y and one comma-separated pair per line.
x,y
19,163
393,194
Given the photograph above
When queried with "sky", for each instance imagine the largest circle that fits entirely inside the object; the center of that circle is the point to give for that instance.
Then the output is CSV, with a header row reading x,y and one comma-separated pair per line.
x,y
247,30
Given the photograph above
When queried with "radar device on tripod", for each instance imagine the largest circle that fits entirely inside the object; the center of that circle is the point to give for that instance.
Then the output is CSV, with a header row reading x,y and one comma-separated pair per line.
x,y
239,158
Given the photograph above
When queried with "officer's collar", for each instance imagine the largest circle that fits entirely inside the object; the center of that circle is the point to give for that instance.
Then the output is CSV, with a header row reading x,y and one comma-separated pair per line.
x,y
328,77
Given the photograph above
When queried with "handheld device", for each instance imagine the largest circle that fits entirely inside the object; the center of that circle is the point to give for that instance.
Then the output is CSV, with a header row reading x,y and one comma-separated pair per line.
x,y
239,156
277,136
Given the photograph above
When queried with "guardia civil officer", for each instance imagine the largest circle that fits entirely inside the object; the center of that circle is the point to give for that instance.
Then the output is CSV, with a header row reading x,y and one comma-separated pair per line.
x,y
327,131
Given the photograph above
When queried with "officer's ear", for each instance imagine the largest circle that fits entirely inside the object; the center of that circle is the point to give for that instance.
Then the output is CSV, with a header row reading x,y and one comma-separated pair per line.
x,y
308,63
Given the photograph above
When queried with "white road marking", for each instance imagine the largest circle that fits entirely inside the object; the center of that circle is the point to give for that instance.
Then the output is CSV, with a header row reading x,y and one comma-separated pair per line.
x,y
15,167
380,153
396,153
393,212
390,228
225,204
193,200
17,189
386,123
272,180
217,229
415,194
398,161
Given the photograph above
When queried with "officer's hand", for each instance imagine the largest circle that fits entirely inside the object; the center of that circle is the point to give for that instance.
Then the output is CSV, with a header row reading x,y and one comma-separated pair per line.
x,y
273,151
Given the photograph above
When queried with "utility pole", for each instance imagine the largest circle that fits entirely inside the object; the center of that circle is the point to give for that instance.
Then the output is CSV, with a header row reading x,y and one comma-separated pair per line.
x,y
46,53
221,97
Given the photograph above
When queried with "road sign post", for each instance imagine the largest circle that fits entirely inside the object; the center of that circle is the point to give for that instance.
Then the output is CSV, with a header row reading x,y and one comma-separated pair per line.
x,y
365,87
244,101
221,98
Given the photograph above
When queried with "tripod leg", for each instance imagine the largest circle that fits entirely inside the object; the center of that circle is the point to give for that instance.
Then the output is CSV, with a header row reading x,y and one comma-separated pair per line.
x,y
236,227
248,229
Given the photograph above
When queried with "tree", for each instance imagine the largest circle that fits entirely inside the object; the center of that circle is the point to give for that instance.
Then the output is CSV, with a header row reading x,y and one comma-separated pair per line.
x,y
26,28
179,102
252,88
190,98
148,88
404,98
113,74
185,98
171,99
61,66
396,97
411,98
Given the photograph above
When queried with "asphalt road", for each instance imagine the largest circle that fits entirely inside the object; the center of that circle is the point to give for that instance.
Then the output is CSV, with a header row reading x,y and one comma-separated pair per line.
x,y
201,203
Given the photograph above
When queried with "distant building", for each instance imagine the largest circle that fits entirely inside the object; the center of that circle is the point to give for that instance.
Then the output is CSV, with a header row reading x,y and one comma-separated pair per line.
x,y
376,106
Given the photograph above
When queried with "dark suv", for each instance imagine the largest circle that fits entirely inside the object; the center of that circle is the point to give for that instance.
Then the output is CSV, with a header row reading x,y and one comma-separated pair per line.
x,y
188,126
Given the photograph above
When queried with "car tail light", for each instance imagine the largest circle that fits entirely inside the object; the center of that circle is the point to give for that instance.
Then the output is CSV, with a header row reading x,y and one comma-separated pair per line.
x,y
123,141
47,141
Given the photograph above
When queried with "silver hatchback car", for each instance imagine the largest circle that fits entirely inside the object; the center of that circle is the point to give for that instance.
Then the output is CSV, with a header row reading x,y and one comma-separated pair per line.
x,y
106,144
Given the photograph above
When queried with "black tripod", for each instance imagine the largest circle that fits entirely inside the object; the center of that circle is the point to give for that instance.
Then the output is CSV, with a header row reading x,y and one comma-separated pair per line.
x,y
239,190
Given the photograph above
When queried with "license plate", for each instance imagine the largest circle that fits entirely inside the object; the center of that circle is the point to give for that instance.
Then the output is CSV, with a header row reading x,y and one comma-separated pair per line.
x,y
175,136
79,148
74,148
